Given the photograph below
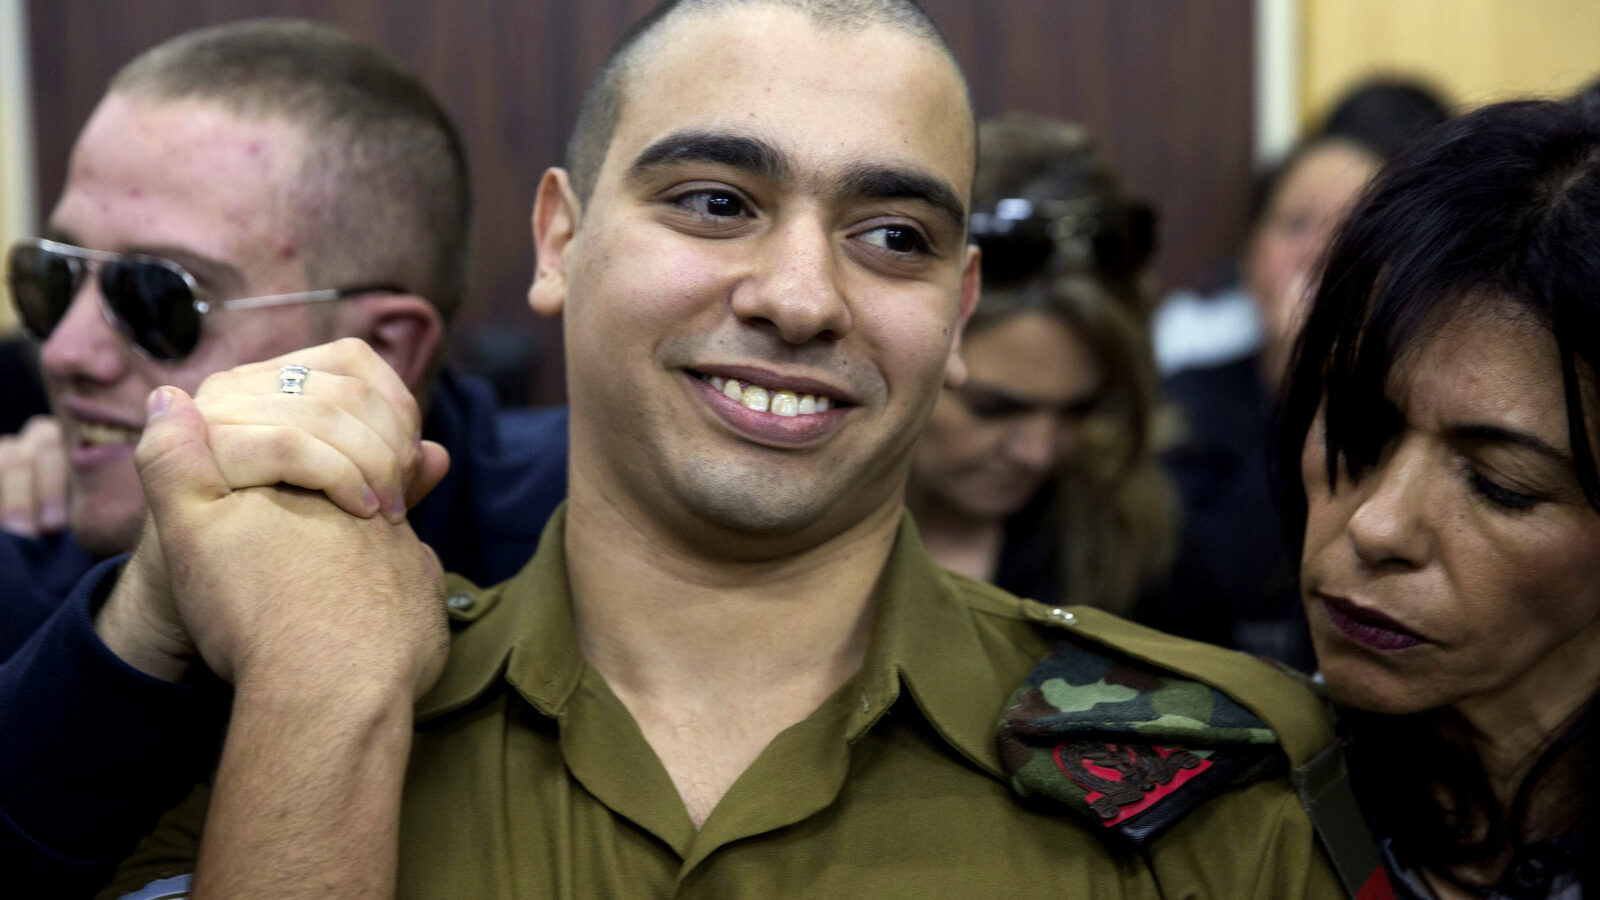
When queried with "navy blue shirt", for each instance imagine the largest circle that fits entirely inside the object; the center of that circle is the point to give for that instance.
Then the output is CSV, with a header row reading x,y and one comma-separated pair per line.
x,y
92,750
1234,581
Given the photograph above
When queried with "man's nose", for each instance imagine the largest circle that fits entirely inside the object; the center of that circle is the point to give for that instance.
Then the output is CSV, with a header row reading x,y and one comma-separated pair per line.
x,y
84,344
1035,441
1389,526
797,291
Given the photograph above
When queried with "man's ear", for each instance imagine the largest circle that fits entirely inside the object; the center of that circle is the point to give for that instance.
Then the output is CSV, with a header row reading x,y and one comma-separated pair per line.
x,y
403,328
556,211
955,369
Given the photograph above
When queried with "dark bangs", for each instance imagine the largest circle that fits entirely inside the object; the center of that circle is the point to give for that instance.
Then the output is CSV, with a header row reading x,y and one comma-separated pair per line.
x,y
1500,206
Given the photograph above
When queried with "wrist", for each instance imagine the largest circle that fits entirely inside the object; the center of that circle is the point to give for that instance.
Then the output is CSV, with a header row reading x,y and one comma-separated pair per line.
x,y
131,624
339,716
311,671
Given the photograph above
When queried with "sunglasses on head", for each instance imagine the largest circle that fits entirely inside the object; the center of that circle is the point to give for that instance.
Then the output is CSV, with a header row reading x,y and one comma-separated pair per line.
x,y
151,301
1021,238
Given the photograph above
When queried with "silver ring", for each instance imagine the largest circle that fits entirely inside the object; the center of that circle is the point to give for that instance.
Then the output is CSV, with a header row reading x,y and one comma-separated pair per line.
x,y
292,378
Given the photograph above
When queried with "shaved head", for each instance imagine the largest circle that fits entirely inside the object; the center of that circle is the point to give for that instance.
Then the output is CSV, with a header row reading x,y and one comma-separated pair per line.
x,y
607,94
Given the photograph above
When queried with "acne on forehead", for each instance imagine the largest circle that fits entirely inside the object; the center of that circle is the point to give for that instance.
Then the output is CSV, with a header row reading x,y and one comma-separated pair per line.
x,y
147,165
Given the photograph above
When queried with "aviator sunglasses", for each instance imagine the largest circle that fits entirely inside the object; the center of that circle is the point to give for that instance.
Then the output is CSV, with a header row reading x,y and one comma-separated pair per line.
x,y
154,302
1020,238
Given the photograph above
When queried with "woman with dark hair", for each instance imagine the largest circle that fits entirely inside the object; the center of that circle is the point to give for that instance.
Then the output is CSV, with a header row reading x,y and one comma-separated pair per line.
x,y
1038,473
1236,572
1443,414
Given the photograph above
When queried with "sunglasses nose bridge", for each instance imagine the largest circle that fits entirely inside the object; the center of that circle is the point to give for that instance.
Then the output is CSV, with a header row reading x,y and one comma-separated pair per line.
x,y
83,271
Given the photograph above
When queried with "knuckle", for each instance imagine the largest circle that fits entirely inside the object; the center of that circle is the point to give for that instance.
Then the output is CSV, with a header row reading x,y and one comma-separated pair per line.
x,y
321,412
351,349
412,411
390,471
351,393
287,444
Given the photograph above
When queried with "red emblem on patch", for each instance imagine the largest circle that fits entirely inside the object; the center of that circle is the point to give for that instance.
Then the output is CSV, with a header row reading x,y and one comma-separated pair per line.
x,y
1124,780
1377,887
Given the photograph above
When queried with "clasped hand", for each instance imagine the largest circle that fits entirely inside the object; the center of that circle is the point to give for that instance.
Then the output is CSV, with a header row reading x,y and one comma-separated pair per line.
x,y
276,545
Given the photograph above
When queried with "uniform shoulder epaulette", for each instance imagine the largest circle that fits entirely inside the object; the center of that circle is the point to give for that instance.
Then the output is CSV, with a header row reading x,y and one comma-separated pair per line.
x,y
1131,729
1127,745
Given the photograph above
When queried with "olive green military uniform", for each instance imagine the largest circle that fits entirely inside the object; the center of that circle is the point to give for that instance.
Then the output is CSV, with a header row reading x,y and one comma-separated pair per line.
x,y
529,779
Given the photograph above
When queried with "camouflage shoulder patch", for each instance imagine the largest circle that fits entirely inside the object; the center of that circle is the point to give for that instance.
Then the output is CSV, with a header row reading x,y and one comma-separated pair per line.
x,y
1127,745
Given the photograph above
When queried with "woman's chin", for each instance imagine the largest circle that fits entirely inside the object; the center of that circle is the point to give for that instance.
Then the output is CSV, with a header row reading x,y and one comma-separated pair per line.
x,y
1369,689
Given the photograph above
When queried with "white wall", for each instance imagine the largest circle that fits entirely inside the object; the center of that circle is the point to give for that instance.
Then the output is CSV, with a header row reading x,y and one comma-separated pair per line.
x,y
1277,74
1475,51
18,201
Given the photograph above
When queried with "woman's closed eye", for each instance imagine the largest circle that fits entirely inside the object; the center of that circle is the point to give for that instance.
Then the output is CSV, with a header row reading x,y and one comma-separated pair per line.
x,y
1498,494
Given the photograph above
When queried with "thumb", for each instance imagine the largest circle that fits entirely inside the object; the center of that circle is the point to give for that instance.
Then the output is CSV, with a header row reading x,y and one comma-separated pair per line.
x,y
174,455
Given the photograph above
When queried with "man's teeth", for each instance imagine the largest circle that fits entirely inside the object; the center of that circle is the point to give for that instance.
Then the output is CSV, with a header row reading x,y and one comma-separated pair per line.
x,y
96,433
779,403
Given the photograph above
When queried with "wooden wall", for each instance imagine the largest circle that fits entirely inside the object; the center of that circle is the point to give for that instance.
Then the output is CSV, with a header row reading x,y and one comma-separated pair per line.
x,y
1164,83
1483,51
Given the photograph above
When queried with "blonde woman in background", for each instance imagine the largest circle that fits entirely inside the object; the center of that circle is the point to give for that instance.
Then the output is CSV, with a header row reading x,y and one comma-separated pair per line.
x,y
1039,473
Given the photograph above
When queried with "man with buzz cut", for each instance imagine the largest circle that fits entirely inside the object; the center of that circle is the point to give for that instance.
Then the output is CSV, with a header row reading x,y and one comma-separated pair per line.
x,y
240,191
730,670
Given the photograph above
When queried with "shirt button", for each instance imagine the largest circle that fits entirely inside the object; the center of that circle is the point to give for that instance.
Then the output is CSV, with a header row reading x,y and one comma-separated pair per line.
x,y
460,601
1057,612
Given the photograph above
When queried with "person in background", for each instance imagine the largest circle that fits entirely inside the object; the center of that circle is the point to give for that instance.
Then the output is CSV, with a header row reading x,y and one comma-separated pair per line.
x,y
1236,575
240,192
1443,419
1386,114
33,467
1039,473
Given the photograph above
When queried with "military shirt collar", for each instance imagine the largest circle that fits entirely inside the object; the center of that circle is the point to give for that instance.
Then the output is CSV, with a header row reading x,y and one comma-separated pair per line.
x,y
924,640
520,629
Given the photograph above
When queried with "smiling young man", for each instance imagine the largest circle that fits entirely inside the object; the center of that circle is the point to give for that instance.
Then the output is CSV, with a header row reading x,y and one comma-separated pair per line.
x,y
240,192
730,670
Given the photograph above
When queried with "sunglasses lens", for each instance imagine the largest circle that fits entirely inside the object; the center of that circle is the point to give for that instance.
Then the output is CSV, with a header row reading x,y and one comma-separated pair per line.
x,y
1011,259
42,286
154,305
1126,240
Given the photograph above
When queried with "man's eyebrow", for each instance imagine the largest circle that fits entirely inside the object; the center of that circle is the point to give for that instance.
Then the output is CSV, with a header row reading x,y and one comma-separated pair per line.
x,y
60,236
892,183
207,272
735,151
760,158
1498,434
975,389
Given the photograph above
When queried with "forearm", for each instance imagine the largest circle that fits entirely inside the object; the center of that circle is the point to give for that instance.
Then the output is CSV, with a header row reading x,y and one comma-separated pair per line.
x,y
306,802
